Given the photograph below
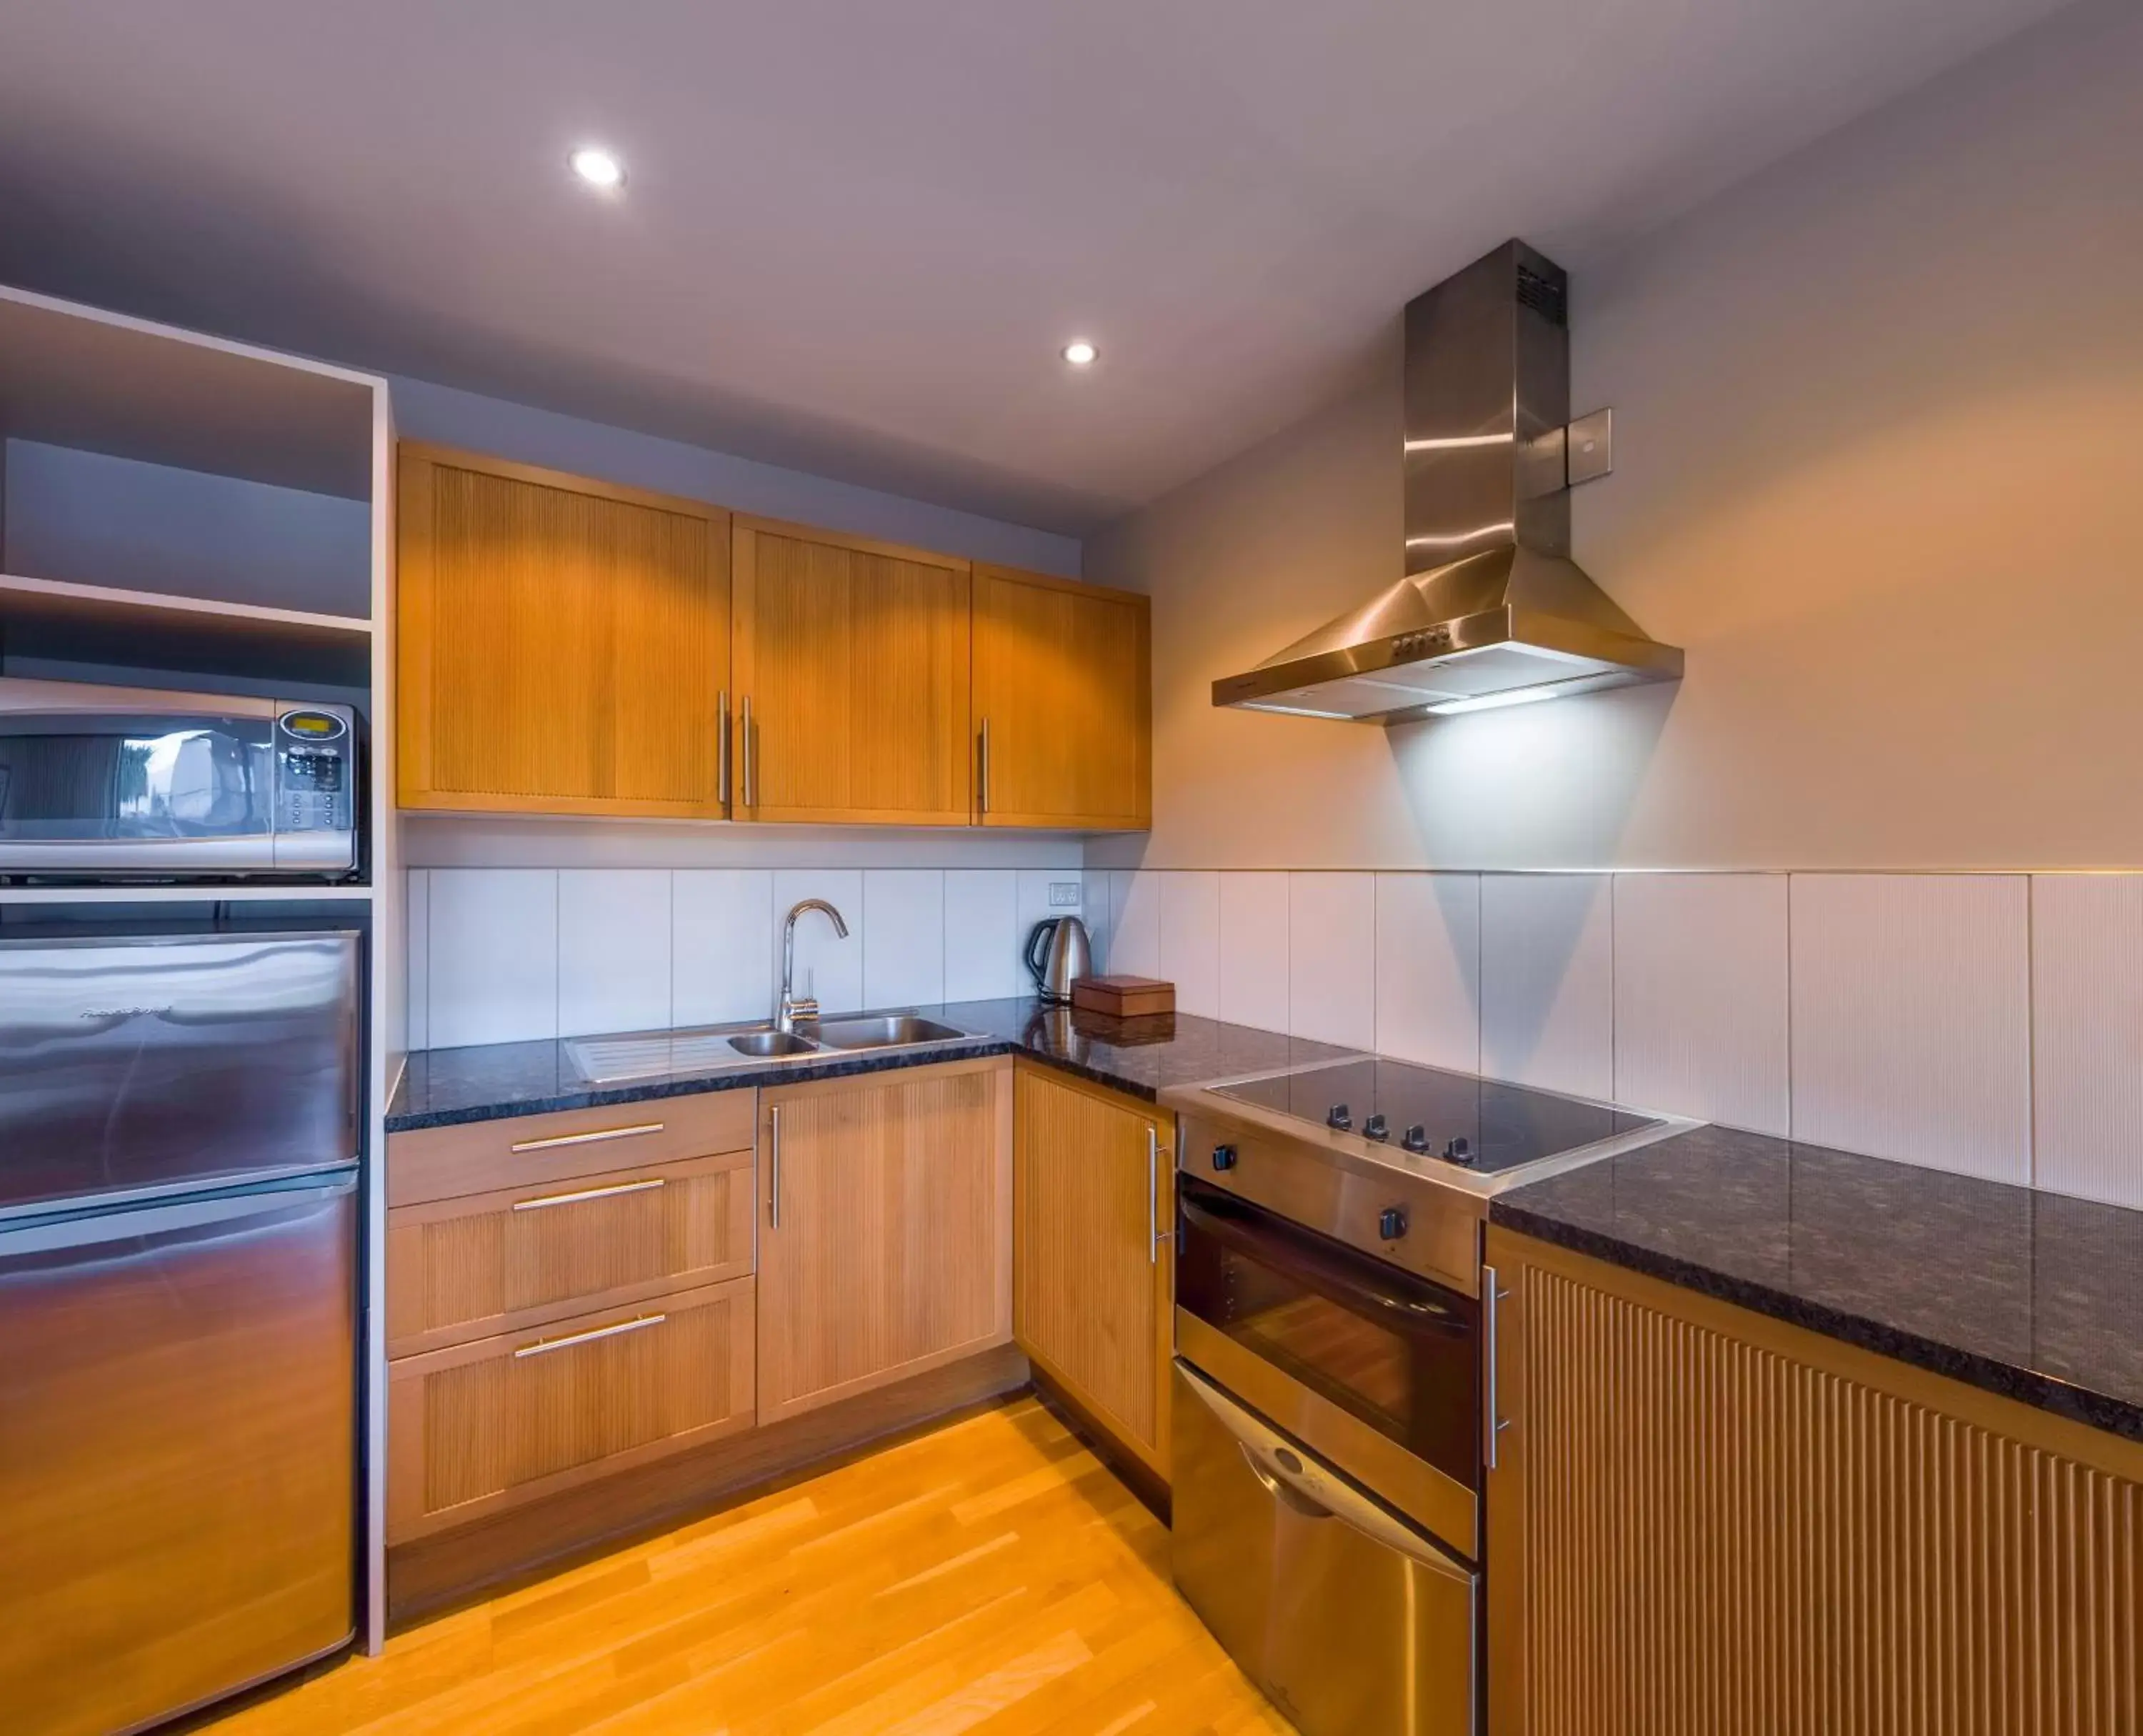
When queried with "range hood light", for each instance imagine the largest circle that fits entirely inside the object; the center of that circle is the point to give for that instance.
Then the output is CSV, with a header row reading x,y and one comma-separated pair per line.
x,y
1496,701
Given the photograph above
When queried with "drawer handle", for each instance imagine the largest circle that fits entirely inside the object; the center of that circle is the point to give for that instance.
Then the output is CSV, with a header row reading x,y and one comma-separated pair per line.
x,y
544,1347
596,1138
615,1188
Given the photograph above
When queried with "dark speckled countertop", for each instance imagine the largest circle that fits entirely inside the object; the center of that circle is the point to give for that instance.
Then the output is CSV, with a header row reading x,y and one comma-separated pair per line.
x,y
443,1087
2035,1296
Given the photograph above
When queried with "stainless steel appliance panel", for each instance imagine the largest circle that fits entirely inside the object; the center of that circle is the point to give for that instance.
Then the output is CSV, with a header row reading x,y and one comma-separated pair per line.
x,y
135,1065
177,1461
1352,1622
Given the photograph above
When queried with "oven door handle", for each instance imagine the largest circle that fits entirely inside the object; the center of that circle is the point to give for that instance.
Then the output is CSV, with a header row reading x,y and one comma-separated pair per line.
x,y
1325,1275
1329,1497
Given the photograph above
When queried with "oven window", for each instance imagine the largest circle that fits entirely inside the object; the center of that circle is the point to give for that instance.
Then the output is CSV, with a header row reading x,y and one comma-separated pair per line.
x,y
1389,1348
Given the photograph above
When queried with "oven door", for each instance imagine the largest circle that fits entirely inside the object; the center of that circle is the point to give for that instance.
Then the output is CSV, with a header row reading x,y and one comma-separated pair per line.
x,y
1375,1368
1352,1621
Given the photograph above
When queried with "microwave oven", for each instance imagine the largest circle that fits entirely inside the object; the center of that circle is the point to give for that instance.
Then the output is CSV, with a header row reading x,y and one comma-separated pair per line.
x,y
121,784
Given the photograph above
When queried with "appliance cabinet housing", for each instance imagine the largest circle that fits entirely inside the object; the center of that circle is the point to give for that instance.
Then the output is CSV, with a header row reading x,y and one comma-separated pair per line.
x,y
1094,1202
1702,1518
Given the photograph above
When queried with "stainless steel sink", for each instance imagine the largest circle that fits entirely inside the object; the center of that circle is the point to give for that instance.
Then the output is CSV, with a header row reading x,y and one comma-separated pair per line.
x,y
653,1054
893,1032
758,1043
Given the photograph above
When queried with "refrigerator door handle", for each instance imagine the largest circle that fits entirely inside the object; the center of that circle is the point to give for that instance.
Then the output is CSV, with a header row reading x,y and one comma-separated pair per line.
x,y
106,1225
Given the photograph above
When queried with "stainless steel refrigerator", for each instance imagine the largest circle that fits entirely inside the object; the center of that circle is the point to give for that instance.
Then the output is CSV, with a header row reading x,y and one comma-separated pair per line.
x,y
178,1133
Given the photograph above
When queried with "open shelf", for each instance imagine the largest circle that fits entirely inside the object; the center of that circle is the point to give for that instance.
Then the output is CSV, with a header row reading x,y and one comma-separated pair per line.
x,y
51,619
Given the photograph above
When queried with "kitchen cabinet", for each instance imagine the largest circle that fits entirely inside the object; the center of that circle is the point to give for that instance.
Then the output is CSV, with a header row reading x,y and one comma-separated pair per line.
x,y
1701,1518
1094,1208
564,644
851,678
885,1235
1063,704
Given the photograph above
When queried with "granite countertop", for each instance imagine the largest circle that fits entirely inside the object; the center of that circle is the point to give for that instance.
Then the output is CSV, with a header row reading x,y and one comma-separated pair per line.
x,y
2035,1296
1141,1057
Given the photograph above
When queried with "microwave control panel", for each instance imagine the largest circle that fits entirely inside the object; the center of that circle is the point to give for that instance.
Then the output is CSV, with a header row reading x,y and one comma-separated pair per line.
x,y
314,767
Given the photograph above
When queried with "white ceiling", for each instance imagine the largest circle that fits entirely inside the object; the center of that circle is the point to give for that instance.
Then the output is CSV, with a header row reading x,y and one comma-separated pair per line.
x,y
856,232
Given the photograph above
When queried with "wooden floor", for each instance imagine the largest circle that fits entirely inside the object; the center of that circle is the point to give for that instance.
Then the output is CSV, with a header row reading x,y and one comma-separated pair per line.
x,y
991,1577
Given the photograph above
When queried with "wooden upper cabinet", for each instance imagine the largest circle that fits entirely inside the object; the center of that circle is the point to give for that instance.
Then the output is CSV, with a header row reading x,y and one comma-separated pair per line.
x,y
853,656
1063,696
564,644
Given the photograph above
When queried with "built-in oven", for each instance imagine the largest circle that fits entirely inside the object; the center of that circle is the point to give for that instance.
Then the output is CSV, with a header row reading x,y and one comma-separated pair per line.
x,y
1327,1470
103,784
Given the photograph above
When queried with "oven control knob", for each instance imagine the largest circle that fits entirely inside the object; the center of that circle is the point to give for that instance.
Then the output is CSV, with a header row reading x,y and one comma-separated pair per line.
x,y
1392,1223
1376,1128
1339,1116
1223,1157
1415,1137
1458,1151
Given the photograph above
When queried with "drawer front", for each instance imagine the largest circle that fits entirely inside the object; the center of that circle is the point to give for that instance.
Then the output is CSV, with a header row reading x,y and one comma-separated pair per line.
x,y
482,1157
506,1420
485,1264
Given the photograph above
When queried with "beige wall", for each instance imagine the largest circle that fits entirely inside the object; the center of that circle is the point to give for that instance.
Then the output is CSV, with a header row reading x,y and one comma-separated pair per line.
x,y
1879,416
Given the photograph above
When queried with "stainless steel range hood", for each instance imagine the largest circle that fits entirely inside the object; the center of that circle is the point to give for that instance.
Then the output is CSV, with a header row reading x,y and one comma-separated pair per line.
x,y
1492,611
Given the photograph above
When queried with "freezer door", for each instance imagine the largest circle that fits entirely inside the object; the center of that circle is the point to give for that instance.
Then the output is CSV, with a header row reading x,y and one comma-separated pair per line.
x,y
177,1452
133,1065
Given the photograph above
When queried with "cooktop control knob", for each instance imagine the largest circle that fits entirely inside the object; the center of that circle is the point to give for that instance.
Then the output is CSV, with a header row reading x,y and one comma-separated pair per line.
x,y
1338,1116
1415,1137
1392,1223
1223,1157
1376,1128
1458,1151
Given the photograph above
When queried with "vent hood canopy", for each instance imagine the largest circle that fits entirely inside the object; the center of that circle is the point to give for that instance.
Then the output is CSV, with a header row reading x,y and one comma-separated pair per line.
x,y
1492,611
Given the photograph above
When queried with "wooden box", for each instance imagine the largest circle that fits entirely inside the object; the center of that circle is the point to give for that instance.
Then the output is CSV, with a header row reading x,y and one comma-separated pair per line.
x,y
1123,997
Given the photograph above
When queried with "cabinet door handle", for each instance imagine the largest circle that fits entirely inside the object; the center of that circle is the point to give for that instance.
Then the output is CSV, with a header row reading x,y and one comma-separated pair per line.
x,y
744,749
774,1169
544,1347
1155,1235
722,752
1491,1425
596,1138
616,1188
983,772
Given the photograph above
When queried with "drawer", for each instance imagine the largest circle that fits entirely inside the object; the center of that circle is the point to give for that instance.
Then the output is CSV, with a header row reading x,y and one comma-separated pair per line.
x,y
480,1264
481,1157
487,1426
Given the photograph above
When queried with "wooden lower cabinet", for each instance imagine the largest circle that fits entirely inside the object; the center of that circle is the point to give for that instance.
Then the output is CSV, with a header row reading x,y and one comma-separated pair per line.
x,y
885,1238
1094,1204
1704,1520
507,1419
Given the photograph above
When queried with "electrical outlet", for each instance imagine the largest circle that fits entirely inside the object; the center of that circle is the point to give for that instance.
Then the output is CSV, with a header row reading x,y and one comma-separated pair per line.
x,y
1064,895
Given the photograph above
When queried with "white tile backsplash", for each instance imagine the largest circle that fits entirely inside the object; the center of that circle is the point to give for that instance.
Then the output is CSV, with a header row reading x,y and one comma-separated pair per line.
x,y
722,945
493,967
1190,941
827,966
1095,912
615,943
2087,1034
1254,961
1429,968
1700,996
1547,968
416,937
981,935
1912,1018
1135,907
1332,955
904,937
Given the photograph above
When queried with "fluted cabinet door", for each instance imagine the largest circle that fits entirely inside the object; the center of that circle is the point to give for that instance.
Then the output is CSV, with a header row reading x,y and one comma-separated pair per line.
x,y
564,644
1703,1521
854,658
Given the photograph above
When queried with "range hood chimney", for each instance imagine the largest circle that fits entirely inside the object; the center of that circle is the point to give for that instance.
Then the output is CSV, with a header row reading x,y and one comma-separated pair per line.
x,y
1492,611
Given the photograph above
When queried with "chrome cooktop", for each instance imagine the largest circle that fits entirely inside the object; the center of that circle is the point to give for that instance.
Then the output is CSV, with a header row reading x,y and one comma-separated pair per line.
x,y
1483,1125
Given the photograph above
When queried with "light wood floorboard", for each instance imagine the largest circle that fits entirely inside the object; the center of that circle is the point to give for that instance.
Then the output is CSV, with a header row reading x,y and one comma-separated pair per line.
x,y
991,1577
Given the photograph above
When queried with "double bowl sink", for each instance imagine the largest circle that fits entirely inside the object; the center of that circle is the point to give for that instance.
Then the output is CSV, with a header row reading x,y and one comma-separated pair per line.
x,y
647,1055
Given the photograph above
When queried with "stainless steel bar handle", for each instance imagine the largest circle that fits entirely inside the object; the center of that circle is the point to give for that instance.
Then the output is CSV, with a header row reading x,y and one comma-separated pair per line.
x,y
611,1192
1153,1232
746,752
596,1138
1491,1425
722,752
774,1169
985,770
544,1347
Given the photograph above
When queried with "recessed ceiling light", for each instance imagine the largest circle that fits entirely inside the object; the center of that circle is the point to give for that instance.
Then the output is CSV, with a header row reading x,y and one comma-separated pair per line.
x,y
598,167
1080,354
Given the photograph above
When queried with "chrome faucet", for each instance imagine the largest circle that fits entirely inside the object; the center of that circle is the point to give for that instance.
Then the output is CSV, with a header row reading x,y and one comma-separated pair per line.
x,y
790,1009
